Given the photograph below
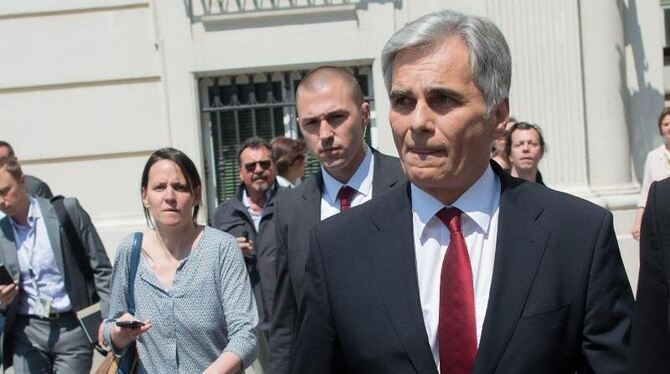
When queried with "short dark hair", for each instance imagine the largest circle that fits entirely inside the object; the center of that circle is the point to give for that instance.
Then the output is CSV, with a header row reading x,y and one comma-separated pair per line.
x,y
253,143
12,166
328,72
664,113
286,151
9,148
523,126
186,166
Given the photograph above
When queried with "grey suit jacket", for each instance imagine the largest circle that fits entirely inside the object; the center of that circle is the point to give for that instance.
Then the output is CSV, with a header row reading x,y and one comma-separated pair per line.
x,y
75,284
37,187
296,212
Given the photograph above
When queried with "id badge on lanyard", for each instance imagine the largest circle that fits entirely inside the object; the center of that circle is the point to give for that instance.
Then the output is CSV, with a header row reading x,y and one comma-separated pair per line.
x,y
42,306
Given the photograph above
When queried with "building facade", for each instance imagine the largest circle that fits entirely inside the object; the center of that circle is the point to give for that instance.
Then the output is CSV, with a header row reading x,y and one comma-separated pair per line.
x,y
89,88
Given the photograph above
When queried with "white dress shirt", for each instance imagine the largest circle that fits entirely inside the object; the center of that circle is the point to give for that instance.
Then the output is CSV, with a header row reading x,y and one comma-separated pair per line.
x,y
361,181
479,224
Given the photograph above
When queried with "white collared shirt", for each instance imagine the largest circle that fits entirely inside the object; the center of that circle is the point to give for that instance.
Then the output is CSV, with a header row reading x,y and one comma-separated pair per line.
x,y
255,217
361,181
479,224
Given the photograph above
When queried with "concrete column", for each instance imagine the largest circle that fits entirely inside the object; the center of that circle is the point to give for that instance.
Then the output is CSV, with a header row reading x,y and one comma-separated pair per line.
x,y
605,101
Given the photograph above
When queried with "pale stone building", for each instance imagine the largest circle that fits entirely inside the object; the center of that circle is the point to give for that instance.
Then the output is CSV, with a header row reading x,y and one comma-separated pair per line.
x,y
89,88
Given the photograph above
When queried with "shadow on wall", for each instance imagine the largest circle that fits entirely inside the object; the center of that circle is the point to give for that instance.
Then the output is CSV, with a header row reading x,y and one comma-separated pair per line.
x,y
644,103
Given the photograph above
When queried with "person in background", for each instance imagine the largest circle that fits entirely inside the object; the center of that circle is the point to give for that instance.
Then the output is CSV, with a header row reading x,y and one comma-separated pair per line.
x,y
499,147
525,147
333,117
192,291
289,158
34,185
656,167
41,332
249,217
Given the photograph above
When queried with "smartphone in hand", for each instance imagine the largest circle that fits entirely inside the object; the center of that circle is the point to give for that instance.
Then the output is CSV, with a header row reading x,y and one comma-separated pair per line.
x,y
5,278
130,324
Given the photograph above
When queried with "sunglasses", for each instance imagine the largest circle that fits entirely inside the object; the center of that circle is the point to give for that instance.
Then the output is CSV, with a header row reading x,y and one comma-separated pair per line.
x,y
251,166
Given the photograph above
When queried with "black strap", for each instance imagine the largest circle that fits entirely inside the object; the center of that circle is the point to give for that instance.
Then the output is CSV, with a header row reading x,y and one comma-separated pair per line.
x,y
74,239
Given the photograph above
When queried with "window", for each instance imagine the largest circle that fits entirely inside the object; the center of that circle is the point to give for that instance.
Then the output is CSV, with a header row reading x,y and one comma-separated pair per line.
x,y
236,107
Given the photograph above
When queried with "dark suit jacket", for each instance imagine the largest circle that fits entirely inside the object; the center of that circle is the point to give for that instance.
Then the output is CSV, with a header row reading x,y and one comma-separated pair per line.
x,y
233,217
650,347
560,301
75,283
297,211
37,187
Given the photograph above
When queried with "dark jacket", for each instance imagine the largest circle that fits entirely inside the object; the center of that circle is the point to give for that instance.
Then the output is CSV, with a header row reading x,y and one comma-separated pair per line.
x,y
297,211
650,347
37,187
233,217
560,301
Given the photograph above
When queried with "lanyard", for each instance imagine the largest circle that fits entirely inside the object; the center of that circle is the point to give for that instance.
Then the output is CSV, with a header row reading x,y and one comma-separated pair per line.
x,y
27,258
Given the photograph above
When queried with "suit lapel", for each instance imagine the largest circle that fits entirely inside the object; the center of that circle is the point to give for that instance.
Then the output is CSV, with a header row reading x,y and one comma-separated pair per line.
x,y
520,246
382,179
391,250
9,250
53,230
307,214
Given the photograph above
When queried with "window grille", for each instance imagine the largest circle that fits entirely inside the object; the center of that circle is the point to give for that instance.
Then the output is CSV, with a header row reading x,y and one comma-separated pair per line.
x,y
236,107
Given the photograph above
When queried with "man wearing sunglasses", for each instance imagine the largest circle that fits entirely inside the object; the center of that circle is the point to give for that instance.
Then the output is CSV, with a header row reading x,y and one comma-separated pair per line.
x,y
333,117
249,217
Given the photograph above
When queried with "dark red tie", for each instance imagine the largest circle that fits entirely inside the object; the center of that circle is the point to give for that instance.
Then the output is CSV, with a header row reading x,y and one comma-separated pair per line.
x,y
345,195
456,331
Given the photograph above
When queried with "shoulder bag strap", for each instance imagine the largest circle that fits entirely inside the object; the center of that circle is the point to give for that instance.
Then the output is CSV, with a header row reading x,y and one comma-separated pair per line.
x,y
132,270
74,239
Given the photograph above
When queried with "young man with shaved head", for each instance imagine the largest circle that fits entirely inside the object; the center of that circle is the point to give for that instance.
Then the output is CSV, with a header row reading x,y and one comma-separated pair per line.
x,y
333,117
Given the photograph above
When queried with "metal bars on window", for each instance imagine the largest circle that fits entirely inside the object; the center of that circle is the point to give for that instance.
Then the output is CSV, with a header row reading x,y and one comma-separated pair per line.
x,y
236,107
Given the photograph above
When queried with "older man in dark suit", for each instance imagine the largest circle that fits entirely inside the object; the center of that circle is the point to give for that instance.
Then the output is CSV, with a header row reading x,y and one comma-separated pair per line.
x,y
333,117
464,269
41,332
650,351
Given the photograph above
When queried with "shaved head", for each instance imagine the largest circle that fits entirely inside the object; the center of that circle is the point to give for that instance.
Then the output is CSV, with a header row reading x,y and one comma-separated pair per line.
x,y
320,78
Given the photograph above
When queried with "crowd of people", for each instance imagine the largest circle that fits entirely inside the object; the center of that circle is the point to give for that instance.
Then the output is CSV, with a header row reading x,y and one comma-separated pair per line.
x,y
452,258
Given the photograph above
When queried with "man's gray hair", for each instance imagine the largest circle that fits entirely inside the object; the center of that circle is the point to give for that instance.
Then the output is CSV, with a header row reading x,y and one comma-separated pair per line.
x,y
490,59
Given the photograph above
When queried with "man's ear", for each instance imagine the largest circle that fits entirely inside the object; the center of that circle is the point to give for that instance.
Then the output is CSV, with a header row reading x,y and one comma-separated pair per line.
x,y
365,112
499,115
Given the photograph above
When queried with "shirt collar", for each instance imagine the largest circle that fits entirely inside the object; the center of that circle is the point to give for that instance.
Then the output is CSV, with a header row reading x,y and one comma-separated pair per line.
x,y
34,213
245,197
478,202
361,181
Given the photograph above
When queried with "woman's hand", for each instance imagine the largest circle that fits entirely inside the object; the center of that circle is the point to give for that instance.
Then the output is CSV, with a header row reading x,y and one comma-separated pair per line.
x,y
8,293
122,336
226,363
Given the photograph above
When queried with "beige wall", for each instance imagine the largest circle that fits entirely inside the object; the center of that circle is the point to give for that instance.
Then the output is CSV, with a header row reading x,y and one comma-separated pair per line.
x,y
88,88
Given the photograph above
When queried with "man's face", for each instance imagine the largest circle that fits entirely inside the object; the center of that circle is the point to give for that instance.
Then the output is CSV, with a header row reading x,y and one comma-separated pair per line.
x,y
12,193
665,129
526,151
333,126
257,171
439,120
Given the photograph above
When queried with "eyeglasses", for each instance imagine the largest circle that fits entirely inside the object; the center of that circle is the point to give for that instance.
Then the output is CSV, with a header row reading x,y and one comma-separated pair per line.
x,y
251,166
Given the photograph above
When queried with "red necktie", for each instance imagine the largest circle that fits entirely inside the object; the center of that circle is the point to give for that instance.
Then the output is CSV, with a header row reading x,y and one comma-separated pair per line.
x,y
345,195
456,332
